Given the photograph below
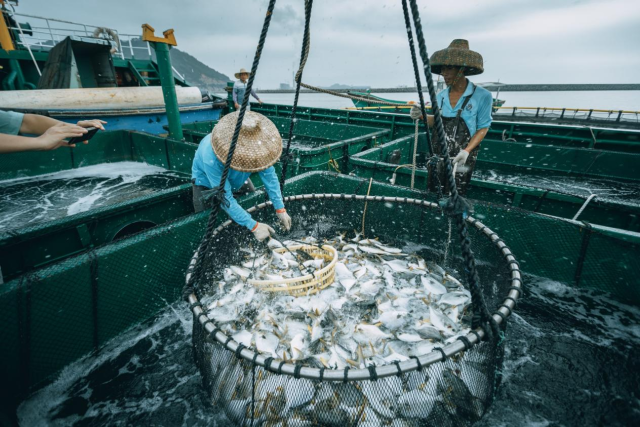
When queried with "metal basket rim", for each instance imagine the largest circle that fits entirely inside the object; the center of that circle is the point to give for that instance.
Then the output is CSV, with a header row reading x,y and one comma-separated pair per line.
x,y
362,374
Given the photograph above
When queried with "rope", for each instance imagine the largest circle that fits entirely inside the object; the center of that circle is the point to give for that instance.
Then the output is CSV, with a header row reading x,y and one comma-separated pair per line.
x,y
414,61
349,96
415,148
364,214
480,313
218,195
306,44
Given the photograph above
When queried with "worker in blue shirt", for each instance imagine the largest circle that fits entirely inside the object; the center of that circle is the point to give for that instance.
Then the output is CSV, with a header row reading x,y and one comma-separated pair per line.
x,y
259,147
240,88
466,113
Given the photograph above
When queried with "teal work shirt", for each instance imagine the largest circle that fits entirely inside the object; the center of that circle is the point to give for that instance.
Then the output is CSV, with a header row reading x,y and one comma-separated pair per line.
x,y
477,113
207,171
10,122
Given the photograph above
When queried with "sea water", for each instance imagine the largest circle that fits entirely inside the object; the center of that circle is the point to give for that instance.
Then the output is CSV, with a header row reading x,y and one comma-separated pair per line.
x,y
603,100
28,201
571,359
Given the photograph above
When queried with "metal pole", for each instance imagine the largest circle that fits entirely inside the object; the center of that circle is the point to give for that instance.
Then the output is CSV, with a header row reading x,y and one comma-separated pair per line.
x,y
168,89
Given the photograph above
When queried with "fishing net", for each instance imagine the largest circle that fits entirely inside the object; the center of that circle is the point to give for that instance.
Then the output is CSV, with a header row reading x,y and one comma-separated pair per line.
x,y
451,385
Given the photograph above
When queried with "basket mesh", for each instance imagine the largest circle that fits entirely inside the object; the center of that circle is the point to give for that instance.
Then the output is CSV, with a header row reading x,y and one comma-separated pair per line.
x,y
454,391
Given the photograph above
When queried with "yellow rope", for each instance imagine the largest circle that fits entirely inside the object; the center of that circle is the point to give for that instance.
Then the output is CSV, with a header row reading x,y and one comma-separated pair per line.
x,y
365,206
332,163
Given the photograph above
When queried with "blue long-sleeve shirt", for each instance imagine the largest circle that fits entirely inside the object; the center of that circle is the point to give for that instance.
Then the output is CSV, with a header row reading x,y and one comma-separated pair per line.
x,y
207,171
239,89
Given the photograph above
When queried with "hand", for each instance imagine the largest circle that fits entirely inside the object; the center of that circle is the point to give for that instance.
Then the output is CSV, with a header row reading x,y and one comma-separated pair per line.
x,y
260,101
284,218
262,231
55,136
461,158
235,104
95,123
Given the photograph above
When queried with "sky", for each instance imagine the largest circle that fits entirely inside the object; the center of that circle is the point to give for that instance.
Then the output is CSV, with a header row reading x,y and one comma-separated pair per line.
x,y
363,42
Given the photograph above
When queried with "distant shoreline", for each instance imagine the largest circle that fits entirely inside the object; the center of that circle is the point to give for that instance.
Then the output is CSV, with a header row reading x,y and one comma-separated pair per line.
x,y
493,88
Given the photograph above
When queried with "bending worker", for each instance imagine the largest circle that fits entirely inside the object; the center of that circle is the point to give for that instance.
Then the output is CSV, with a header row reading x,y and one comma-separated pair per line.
x,y
466,113
240,88
259,147
51,133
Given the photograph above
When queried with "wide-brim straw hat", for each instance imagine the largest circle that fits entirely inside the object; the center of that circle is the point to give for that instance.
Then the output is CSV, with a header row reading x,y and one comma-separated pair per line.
x,y
242,71
458,54
259,143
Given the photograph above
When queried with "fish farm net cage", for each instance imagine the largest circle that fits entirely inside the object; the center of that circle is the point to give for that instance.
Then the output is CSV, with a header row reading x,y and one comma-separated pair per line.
x,y
451,385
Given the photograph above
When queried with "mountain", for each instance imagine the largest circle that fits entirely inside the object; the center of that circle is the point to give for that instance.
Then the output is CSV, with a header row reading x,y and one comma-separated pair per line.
x,y
195,72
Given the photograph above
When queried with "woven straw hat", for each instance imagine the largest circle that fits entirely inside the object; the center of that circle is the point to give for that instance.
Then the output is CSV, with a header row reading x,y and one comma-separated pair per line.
x,y
458,54
242,71
259,143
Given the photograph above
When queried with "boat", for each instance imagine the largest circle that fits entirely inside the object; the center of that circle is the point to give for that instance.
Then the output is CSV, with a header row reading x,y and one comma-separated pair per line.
x,y
97,64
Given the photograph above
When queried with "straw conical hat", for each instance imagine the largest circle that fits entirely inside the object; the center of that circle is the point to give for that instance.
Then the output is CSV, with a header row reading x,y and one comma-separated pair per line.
x,y
242,71
259,143
457,54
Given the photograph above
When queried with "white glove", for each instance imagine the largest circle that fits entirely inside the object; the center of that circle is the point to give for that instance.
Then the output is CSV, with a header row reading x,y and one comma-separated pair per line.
x,y
284,218
262,231
461,158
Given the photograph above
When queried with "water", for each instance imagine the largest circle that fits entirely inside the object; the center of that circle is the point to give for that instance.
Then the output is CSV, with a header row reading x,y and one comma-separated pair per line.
x,y
31,200
603,100
581,186
571,360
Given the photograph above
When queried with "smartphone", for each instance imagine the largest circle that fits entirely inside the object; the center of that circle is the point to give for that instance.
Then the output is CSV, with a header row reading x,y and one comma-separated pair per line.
x,y
87,136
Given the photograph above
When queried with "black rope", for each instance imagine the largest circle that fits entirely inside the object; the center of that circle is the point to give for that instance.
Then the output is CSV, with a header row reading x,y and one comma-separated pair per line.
x,y
322,373
280,367
303,59
346,374
474,332
372,372
444,355
296,371
414,61
465,341
267,363
204,248
418,362
478,301
239,350
397,363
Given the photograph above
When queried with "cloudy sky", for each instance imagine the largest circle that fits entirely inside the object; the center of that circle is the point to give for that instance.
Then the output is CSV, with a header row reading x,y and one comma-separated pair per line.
x,y
363,42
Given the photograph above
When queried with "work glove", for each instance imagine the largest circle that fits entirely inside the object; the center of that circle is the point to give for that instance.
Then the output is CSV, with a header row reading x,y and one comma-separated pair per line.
x,y
461,158
262,231
284,218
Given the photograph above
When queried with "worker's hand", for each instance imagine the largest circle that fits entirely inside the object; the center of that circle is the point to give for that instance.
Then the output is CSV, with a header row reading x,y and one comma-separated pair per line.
x,y
235,104
55,136
92,124
262,231
284,218
461,158
260,101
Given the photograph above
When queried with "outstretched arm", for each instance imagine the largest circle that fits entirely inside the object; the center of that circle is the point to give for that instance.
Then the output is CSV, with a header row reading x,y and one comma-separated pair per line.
x,y
272,185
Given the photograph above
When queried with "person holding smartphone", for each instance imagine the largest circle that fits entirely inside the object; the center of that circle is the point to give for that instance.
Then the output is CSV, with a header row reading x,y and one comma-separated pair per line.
x,y
51,133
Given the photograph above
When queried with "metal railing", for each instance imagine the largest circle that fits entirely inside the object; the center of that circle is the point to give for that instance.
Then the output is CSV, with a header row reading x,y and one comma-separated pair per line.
x,y
45,33
569,114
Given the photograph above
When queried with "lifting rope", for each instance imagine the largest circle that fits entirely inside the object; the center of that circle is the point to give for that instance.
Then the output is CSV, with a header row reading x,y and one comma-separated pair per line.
x,y
218,194
306,43
456,205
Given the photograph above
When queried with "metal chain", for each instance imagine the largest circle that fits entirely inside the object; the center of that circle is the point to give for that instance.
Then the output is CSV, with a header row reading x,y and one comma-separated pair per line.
x,y
219,193
481,315
306,45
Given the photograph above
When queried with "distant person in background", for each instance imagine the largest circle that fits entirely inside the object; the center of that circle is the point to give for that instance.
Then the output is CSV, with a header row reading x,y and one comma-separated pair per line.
x,y
51,133
466,113
240,87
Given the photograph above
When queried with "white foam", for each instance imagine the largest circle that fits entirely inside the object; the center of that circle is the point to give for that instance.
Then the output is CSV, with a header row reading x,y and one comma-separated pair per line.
x,y
128,171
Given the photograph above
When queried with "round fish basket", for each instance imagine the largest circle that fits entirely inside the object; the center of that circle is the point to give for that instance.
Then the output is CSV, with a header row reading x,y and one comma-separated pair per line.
x,y
450,384
308,284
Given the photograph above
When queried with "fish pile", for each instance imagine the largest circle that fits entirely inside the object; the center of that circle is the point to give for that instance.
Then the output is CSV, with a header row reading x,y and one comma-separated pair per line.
x,y
385,305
